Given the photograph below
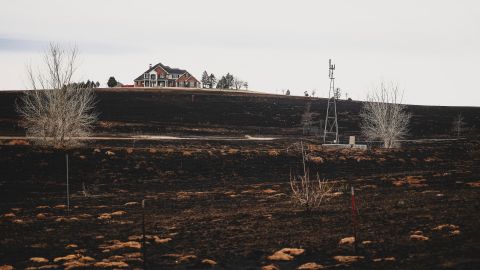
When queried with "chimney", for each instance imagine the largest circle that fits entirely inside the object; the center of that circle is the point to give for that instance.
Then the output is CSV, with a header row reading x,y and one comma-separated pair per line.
x,y
150,66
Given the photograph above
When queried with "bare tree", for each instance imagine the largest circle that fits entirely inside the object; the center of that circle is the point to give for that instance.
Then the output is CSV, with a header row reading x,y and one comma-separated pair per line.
x,y
384,117
238,83
337,94
310,193
57,112
458,124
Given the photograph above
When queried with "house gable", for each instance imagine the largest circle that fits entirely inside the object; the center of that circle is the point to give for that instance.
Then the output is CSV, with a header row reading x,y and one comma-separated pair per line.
x,y
165,76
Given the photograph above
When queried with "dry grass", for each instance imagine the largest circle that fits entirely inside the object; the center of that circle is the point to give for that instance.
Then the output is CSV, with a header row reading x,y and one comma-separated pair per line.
x,y
39,260
116,244
18,142
111,265
310,266
347,259
286,254
273,153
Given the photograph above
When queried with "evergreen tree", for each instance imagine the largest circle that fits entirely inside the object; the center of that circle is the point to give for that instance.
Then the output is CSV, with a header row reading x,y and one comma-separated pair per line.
x,y
212,80
205,80
222,83
229,81
112,82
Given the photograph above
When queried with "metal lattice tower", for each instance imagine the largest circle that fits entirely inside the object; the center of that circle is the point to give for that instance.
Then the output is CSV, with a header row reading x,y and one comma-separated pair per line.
x,y
330,133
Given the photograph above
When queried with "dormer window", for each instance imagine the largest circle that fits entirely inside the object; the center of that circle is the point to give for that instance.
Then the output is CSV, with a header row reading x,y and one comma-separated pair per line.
x,y
146,76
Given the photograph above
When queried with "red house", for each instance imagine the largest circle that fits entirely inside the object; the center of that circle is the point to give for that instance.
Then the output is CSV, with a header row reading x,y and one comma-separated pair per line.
x,y
160,75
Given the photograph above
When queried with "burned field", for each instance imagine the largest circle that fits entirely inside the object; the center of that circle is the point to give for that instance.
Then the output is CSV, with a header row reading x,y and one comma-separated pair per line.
x,y
227,206
214,203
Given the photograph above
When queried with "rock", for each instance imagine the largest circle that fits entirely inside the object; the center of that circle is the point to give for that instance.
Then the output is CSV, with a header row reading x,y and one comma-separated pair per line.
x,y
18,221
6,267
347,241
43,207
109,153
347,259
9,215
366,242
39,260
41,216
60,206
310,266
71,246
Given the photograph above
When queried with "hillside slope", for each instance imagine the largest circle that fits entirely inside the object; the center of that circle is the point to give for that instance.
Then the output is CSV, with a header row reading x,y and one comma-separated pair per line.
x,y
201,112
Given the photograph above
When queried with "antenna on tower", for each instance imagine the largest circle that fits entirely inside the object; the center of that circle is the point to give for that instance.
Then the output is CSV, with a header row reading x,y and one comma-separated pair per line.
x,y
330,132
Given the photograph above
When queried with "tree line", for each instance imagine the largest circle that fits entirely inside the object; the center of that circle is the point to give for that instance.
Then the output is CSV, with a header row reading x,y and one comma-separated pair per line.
x,y
227,81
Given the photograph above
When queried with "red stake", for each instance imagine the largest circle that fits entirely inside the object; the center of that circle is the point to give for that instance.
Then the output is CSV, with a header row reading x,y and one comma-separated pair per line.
x,y
354,220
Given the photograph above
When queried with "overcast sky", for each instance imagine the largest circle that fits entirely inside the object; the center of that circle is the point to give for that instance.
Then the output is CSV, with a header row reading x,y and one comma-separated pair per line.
x,y
430,48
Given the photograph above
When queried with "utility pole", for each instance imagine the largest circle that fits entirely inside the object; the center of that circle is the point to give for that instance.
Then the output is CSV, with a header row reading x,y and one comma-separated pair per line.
x,y
330,133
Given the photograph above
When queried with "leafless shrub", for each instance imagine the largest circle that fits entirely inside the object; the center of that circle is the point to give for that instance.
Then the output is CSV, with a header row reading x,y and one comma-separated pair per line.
x,y
310,193
307,119
238,83
384,117
458,125
56,111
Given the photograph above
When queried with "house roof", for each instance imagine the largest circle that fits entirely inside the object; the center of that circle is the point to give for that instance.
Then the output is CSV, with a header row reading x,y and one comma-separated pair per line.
x,y
166,68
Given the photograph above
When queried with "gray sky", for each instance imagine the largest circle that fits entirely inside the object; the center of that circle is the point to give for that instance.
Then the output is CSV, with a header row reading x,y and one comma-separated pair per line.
x,y
430,48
